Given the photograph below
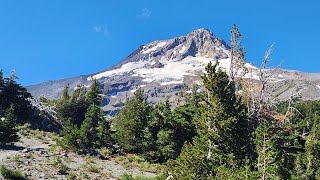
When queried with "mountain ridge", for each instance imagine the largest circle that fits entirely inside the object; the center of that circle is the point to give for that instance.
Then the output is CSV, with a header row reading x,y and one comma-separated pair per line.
x,y
162,67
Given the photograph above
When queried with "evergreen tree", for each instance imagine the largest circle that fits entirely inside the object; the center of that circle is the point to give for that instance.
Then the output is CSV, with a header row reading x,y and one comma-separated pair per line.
x,y
220,143
73,107
268,161
104,133
79,94
131,122
238,60
89,127
16,95
300,167
8,130
65,94
71,139
312,147
94,95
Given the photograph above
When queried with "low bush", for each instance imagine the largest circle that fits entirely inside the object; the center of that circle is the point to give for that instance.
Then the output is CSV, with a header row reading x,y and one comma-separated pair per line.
x,y
8,173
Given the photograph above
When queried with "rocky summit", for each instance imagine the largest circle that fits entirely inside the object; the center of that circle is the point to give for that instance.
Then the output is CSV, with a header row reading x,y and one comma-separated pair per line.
x,y
162,68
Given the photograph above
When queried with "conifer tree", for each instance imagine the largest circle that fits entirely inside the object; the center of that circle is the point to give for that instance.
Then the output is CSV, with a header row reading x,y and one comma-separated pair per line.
x,y
89,127
16,95
131,122
71,137
65,95
103,133
312,147
219,145
237,54
268,161
79,94
8,130
94,95
73,107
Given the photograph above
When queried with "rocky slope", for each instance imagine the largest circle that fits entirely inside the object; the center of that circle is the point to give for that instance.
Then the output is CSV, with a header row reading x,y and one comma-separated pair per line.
x,y
37,157
162,67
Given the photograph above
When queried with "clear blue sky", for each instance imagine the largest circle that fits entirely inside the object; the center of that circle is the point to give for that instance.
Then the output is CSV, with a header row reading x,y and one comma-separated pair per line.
x,y
53,39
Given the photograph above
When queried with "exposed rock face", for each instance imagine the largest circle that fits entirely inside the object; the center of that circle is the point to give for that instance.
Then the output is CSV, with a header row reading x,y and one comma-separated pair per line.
x,y
162,67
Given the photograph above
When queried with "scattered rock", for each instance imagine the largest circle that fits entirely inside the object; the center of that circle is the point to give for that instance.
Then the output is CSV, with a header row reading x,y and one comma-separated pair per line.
x,y
26,150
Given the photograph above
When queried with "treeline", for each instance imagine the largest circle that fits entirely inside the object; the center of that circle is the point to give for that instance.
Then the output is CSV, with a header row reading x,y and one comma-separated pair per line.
x,y
155,131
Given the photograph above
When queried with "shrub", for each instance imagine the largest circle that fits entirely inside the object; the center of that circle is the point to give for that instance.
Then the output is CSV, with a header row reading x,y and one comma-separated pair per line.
x,y
106,152
135,161
11,174
94,169
71,176
62,168
127,176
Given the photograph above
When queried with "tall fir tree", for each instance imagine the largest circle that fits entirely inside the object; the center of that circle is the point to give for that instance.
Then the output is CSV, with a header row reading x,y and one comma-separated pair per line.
x,y
71,139
269,154
167,131
131,122
65,94
16,95
237,65
94,96
221,128
73,107
104,133
312,147
89,127
8,130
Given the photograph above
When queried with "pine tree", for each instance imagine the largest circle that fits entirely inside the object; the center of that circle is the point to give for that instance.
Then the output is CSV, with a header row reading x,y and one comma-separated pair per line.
x,y
268,162
94,95
89,127
237,54
131,122
219,144
65,95
8,130
71,139
73,107
16,95
312,147
104,133
79,94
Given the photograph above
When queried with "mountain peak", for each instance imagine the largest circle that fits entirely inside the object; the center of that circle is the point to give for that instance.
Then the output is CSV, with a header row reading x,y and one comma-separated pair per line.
x,y
201,31
198,43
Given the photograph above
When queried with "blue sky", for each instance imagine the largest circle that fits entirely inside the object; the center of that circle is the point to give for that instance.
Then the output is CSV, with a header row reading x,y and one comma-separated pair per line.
x,y
53,39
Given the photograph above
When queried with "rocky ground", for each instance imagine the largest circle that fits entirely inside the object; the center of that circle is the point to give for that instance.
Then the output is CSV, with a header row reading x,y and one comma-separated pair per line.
x,y
37,156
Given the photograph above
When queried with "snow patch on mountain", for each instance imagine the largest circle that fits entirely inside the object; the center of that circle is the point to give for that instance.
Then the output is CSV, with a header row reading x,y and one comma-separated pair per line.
x,y
150,49
126,68
135,89
171,82
172,72
182,50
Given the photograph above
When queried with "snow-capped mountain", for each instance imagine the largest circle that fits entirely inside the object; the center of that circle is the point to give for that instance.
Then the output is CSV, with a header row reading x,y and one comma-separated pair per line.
x,y
162,67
